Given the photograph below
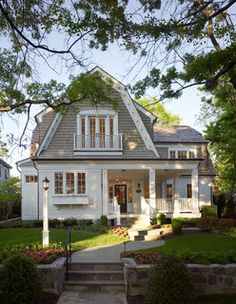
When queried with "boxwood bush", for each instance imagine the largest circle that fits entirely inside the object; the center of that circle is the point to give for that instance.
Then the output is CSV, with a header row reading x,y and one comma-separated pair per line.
x,y
176,225
161,219
169,282
20,282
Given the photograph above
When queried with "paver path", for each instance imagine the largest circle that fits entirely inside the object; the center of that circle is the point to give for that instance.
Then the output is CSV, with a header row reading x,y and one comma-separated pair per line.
x,y
72,297
111,253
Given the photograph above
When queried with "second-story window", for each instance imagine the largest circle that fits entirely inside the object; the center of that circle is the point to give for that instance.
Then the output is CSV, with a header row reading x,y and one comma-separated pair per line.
x,y
178,153
97,130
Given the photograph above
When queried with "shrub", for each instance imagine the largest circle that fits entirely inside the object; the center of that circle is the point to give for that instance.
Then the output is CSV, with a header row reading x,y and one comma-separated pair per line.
x,y
169,282
27,225
104,220
92,228
208,211
85,222
55,223
70,222
161,219
177,225
38,224
20,282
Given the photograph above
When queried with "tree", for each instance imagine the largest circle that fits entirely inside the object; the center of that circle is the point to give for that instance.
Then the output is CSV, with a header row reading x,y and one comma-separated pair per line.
x,y
219,110
195,40
9,194
163,117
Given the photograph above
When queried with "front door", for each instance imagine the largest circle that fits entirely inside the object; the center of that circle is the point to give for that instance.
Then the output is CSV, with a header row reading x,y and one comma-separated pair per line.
x,y
121,195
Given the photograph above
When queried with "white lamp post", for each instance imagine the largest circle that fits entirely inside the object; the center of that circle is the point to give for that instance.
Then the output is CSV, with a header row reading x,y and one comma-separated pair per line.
x,y
45,213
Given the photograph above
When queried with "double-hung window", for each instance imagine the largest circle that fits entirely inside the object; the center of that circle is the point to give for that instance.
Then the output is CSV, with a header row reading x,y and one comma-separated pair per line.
x,y
66,183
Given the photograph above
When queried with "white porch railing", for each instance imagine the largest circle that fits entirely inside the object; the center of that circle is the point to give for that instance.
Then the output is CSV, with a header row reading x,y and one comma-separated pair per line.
x,y
114,208
98,142
174,205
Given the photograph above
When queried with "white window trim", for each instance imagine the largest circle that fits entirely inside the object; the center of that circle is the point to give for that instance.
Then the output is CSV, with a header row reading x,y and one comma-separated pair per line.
x,y
64,194
194,150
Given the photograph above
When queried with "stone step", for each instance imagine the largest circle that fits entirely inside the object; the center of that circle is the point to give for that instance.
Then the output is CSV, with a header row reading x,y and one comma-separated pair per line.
x,y
96,266
139,237
114,275
98,285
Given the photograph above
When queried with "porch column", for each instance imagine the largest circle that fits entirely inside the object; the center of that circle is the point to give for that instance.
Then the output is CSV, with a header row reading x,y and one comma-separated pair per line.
x,y
195,196
176,204
105,191
152,188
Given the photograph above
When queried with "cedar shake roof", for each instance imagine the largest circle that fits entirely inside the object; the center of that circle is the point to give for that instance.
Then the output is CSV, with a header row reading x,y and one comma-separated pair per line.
x,y
177,134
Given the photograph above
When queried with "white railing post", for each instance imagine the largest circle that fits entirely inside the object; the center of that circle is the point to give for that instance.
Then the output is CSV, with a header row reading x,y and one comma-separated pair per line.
x,y
195,199
152,188
117,211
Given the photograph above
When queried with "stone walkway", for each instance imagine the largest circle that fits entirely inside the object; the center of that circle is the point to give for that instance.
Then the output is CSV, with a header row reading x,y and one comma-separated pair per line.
x,y
109,253
73,297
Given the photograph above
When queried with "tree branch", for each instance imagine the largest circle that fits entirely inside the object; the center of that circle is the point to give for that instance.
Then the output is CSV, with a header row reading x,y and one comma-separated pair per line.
x,y
39,46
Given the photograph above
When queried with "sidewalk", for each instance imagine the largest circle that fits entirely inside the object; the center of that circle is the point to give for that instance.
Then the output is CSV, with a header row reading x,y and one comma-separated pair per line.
x,y
111,253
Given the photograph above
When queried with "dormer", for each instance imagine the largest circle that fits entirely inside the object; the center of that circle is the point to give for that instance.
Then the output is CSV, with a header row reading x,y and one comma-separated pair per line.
x,y
97,133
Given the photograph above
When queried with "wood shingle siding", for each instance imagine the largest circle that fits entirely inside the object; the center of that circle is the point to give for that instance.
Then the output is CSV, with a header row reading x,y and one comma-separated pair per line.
x,y
62,144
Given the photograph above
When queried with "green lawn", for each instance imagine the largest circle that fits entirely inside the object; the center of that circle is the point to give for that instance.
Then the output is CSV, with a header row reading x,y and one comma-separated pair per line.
x,y
217,299
80,239
207,243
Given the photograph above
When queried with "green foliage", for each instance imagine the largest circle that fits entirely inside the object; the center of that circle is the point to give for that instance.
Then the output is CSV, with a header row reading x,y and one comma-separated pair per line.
x,y
85,222
169,282
55,223
176,224
92,228
164,117
220,113
20,281
70,222
104,220
161,219
9,194
208,211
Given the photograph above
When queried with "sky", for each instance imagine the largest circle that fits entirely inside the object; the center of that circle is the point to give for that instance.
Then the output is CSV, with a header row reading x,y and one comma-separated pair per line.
x,y
117,63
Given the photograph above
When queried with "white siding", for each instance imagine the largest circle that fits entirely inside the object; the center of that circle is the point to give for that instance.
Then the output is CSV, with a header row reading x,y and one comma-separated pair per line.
x,y
82,207
29,195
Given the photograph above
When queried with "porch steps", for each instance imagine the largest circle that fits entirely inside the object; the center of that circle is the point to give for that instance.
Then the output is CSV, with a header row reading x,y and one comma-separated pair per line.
x,y
147,234
136,221
104,277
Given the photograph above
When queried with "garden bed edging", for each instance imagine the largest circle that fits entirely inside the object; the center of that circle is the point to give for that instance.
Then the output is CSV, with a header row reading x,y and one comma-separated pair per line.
x,y
207,279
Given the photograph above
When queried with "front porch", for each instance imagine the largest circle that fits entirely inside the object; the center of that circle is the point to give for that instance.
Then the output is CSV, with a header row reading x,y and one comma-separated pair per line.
x,y
129,192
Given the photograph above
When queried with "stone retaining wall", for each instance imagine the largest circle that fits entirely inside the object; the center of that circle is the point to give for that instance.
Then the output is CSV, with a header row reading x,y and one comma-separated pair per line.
x,y
207,279
53,276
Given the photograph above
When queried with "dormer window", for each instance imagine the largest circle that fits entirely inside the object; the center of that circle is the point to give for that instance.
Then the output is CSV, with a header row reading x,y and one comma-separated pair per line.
x,y
181,153
97,131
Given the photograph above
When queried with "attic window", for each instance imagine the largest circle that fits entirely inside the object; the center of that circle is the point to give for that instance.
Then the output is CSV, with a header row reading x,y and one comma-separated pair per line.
x,y
180,153
31,178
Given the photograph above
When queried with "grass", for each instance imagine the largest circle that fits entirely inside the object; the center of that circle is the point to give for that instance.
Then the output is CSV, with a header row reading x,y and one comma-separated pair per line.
x,y
206,243
80,239
217,299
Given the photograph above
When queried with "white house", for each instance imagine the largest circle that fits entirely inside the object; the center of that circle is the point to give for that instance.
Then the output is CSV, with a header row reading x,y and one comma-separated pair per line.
x,y
4,170
117,163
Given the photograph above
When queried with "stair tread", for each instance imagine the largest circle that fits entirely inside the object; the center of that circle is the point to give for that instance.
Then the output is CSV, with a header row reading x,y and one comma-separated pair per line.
x,y
95,282
97,263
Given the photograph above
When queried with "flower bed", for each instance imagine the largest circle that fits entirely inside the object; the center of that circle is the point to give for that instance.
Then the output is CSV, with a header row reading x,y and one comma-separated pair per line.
x,y
120,231
188,256
215,224
40,256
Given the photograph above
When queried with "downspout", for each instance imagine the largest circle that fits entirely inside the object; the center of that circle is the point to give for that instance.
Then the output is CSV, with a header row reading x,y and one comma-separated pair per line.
x,y
34,164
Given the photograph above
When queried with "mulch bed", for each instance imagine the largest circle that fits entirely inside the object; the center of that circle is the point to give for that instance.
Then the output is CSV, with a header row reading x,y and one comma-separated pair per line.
x,y
135,300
